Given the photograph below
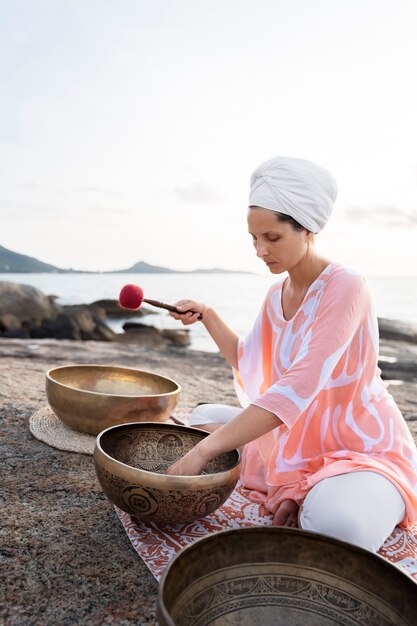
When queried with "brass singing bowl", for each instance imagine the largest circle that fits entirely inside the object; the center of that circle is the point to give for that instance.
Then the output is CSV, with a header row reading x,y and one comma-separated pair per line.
x,y
277,576
131,461
90,398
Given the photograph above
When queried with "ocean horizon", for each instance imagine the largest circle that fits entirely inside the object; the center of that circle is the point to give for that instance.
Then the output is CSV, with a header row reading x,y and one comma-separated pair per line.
x,y
236,297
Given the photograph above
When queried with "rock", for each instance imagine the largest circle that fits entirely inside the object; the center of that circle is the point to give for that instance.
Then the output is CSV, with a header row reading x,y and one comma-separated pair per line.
x,y
83,318
55,501
180,337
396,330
113,310
62,328
16,333
398,360
142,334
98,313
26,312
155,336
66,557
402,370
104,333
8,321
26,302
30,325
128,326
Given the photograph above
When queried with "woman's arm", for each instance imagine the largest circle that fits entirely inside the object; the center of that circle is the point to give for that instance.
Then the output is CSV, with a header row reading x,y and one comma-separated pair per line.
x,y
251,423
224,337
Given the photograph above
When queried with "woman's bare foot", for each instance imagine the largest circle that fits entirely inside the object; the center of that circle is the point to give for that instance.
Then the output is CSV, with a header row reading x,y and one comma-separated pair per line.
x,y
286,514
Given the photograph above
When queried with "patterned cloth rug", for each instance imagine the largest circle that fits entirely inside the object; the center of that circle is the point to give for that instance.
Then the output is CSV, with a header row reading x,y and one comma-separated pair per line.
x,y
157,546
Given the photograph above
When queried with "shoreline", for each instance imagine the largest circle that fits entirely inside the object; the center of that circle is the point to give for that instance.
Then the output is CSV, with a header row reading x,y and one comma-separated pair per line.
x,y
68,559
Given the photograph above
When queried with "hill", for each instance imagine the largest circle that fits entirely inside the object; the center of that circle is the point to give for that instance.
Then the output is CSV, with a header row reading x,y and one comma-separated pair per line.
x,y
144,268
13,262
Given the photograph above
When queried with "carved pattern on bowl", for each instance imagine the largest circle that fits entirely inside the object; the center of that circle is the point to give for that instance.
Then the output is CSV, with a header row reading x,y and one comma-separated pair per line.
x,y
154,450
284,592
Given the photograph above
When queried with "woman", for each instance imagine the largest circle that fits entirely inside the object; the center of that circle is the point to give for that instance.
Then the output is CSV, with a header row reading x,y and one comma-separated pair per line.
x,y
326,447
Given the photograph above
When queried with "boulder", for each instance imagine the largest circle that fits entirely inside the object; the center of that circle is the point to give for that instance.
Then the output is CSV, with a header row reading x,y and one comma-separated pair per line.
x,y
26,302
398,360
180,337
30,325
155,335
83,318
103,333
396,330
98,312
16,333
142,334
113,310
8,321
62,328
26,312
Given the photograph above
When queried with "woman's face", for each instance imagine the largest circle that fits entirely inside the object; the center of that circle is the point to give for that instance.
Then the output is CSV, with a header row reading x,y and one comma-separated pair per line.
x,y
277,243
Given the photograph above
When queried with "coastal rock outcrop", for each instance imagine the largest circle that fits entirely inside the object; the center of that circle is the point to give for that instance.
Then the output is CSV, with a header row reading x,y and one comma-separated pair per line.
x,y
112,309
155,337
59,525
396,330
27,313
25,302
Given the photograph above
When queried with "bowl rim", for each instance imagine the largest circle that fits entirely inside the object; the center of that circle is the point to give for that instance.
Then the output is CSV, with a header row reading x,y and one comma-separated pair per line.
x,y
177,478
112,395
278,530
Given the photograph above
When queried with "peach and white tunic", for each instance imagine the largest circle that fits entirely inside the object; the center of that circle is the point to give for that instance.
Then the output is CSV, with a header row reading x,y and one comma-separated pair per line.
x,y
318,372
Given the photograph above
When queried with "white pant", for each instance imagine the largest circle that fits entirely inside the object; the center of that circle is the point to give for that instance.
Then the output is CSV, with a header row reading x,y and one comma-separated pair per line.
x,y
361,507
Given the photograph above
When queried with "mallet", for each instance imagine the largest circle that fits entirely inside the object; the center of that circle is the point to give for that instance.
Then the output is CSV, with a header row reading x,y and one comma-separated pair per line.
x,y
131,297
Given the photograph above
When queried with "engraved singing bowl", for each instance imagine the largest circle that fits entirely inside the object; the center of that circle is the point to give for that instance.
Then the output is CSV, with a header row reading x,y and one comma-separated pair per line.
x,y
276,576
90,398
131,461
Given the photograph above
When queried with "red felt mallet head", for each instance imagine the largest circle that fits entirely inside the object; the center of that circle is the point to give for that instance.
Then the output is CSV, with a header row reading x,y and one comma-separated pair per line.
x,y
131,297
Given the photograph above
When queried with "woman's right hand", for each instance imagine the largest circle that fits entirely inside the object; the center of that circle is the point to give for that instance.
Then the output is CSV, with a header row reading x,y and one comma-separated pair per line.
x,y
192,464
189,311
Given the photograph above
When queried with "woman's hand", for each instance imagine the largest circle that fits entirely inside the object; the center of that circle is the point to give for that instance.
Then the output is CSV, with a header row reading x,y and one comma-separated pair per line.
x,y
189,311
226,339
191,464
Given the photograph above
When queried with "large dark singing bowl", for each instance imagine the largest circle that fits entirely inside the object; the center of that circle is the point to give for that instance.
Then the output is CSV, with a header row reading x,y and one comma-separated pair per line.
x,y
131,461
283,576
90,398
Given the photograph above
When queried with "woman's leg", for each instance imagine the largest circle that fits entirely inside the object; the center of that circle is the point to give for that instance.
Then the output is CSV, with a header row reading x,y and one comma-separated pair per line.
x,y
212,416
360,507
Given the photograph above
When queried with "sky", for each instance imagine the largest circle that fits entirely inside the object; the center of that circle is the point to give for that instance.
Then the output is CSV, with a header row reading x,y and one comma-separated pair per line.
x,y
129,128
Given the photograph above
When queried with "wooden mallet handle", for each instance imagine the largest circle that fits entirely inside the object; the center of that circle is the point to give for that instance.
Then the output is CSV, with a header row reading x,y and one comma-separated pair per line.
x,y
168,307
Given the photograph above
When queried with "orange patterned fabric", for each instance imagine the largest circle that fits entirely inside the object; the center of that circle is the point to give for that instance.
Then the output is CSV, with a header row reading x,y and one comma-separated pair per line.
x,y
158,545
318,372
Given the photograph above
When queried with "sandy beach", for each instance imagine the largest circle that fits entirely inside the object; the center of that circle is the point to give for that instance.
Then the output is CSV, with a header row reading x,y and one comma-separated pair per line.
x,y
66,557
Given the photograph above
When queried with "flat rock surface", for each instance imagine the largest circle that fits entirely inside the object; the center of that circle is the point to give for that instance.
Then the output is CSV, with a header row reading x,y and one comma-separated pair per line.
x,y
65,556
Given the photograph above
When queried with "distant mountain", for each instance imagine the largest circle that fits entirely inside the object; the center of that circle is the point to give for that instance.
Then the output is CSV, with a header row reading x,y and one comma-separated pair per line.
x,y
144,268
14,262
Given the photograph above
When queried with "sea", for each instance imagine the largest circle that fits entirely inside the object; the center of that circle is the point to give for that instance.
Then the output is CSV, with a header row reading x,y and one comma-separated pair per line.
x,y
236,297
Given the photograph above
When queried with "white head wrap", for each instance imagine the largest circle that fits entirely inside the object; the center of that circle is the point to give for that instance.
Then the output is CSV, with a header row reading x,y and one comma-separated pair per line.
x,y
294,187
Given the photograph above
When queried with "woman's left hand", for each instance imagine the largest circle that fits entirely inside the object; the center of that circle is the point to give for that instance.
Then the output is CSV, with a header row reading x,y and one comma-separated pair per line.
x,y
191,464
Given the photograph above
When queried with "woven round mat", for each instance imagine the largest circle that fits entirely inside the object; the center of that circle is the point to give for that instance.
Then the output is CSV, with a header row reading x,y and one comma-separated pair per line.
x,y
47,427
